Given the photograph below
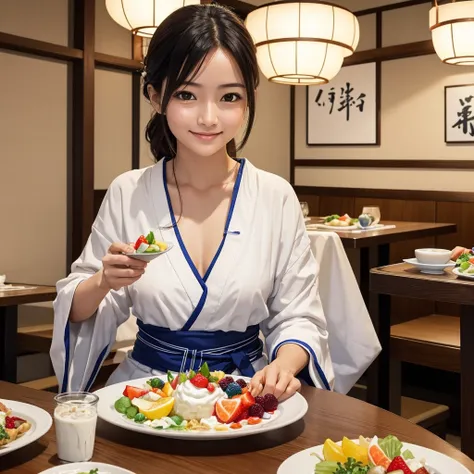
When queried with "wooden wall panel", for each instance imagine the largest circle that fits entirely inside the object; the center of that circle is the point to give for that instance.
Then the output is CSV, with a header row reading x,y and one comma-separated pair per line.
x,y
336,205
313,203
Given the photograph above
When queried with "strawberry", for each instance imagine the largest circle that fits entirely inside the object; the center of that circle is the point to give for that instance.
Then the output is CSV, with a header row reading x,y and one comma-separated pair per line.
x,y
399,463
247,400
422,470
134,392
211,387
200,381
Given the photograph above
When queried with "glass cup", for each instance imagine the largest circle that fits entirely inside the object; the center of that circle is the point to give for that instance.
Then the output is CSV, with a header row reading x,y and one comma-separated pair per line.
x,y
304,209
374,211
75,420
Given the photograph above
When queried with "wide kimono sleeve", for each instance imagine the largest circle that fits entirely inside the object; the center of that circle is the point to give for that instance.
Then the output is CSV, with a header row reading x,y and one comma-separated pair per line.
x,y
296,313
79,349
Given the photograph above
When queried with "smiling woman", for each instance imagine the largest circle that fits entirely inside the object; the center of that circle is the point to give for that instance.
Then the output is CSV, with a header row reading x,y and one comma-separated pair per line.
x,y
240,262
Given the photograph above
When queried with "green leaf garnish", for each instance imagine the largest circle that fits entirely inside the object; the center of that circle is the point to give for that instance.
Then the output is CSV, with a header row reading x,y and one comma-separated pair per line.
x,y
150,238
391,446
407,454
204,370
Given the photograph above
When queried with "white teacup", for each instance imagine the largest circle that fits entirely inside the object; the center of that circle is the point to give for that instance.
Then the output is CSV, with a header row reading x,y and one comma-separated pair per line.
x,y
2,279
433,256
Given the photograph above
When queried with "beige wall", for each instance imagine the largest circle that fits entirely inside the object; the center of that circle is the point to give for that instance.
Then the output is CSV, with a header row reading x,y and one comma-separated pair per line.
x,y
412,120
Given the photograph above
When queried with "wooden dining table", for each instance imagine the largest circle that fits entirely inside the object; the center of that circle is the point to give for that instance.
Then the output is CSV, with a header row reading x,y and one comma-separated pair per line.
x,y
405,280
330,415
9,302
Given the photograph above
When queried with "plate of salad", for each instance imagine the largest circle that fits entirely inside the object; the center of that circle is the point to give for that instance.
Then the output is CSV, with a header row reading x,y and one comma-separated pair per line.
x,y
465,265
86,468
147,247
371,455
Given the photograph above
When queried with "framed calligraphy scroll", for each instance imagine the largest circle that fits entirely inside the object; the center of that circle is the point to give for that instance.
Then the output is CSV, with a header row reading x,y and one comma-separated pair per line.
x,y
346,111
459,113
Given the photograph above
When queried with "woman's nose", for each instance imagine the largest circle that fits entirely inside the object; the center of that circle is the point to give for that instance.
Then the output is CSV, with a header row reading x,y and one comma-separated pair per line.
x,y
208,115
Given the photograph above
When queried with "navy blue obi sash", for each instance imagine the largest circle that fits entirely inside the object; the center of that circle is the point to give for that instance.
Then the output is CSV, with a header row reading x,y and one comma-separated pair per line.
x,y
162,349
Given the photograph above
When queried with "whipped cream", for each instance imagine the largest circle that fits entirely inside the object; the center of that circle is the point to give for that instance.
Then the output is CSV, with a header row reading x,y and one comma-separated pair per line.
x,y
193,403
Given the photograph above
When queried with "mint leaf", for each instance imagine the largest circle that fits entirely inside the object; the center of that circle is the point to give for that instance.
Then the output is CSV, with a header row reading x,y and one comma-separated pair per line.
x,y
170,376
204,370
150,238
3,433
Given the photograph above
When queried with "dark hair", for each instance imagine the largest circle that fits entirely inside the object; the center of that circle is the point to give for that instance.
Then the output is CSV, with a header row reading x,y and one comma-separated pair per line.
x,y
177,51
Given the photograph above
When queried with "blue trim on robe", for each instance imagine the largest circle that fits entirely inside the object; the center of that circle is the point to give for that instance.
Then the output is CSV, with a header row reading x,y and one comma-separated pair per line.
x,y
304,374
229,218
97,366
66,358
202,281
163,349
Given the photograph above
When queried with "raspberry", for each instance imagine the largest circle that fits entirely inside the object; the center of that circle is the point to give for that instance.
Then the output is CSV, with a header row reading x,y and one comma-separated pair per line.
x,y
242,383
260,400
270,403
233,389
225,381
256,411
199,381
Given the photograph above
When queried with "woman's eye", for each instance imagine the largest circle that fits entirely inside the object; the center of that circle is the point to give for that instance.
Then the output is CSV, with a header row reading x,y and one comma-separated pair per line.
x,y
231,97
183,95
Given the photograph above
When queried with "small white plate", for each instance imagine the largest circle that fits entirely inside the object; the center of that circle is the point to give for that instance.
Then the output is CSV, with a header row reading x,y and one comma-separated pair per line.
x,y
304,462
467,276
429,268
39,419
289,411
77,467
148,257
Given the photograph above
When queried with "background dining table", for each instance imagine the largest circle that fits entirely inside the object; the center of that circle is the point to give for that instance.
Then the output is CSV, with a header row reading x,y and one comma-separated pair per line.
x,y
330,415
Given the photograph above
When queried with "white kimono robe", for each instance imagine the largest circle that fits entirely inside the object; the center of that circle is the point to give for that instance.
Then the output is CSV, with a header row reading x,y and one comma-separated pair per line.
x,y
264,274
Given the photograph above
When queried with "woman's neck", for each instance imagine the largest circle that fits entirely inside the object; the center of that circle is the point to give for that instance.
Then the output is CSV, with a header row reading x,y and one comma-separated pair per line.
x,y
202,172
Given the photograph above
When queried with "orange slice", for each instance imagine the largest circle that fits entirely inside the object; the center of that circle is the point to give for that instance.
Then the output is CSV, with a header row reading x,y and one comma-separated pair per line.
x,y
228,409
377,456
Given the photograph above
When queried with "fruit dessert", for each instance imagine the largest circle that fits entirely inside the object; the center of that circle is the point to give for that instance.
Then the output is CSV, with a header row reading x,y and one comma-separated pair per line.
x,y
465,262
369,456
148,244
198,401
11,427
335,220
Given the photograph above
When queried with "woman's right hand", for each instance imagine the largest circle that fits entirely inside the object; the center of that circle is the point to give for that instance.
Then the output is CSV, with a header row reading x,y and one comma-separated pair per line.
x,y
118,269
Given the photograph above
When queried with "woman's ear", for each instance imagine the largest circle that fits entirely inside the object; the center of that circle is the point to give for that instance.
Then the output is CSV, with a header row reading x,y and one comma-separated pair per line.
x,y
155,98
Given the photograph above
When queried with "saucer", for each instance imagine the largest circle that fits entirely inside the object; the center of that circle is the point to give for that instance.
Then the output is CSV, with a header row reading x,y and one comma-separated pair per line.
x,y
429,268
148,257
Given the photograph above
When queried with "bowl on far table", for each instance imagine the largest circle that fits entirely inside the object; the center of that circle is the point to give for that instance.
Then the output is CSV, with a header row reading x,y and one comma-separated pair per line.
x,y
432,256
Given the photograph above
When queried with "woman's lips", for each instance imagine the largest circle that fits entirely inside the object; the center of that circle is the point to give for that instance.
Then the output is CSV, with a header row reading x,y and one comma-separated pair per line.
x,y
206,136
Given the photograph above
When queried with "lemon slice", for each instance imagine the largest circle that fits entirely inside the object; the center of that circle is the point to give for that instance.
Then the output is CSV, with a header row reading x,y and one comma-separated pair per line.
x,y
167,389
354,450
143,404
333,452
159,409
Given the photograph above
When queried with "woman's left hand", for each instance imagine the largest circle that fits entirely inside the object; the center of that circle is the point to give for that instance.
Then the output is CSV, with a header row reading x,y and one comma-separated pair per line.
x,y
274,379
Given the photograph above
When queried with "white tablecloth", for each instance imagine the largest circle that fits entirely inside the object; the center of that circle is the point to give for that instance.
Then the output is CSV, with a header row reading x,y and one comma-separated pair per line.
x,y
353,342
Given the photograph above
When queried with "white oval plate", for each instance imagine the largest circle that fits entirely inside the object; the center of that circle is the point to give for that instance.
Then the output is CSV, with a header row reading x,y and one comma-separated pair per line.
x,y
288,412
304,463
148,257
77,467
429,268
40,420
467,276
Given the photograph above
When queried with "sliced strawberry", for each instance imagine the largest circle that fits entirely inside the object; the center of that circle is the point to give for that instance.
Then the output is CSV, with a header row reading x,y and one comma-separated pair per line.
x,y
399,463
211,387
247,400
134,392
174,383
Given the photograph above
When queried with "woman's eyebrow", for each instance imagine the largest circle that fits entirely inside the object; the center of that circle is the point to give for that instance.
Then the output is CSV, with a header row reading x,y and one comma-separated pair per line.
x,y
221,86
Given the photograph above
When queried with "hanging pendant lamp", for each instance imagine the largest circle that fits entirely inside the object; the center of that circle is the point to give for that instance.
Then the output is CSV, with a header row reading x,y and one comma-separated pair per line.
x,y
304,42
142,17
452,31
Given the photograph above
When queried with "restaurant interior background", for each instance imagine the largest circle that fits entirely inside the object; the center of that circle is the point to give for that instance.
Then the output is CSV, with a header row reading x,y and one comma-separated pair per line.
x,y
413,175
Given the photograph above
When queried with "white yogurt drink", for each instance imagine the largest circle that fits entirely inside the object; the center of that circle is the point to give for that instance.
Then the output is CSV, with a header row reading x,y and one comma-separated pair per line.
x,y
75,420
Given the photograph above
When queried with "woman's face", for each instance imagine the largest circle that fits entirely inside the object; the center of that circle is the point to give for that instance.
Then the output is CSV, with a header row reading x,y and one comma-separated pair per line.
x,y
207,113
